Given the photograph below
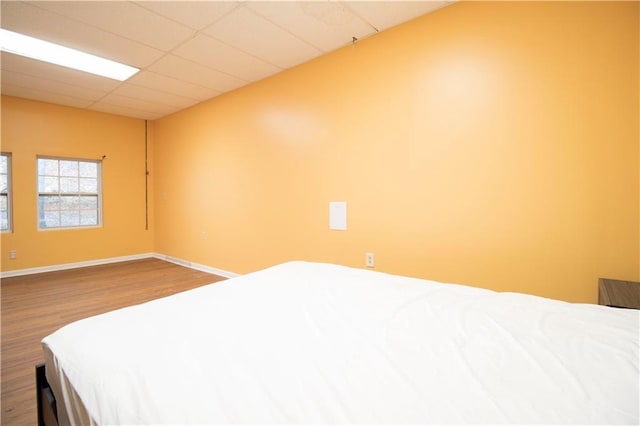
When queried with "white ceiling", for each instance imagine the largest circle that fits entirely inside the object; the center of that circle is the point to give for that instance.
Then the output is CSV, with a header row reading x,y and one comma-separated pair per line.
x,y
188,51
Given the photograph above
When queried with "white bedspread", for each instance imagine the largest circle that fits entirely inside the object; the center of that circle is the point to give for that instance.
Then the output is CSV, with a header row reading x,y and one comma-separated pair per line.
x,y
316,343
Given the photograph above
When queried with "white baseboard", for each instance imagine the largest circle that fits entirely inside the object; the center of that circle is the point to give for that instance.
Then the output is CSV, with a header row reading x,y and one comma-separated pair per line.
x,y
197,266
61,267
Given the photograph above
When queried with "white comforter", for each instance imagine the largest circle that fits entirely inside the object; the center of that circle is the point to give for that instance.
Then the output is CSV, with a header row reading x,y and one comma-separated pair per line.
x,y
317,343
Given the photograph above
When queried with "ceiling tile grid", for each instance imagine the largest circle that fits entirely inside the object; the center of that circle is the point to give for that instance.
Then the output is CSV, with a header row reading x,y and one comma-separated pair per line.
x,y
325,25
43,96
188,51
176,86
209,52
125,19
196,73
142,105
36,83
196,15
250,32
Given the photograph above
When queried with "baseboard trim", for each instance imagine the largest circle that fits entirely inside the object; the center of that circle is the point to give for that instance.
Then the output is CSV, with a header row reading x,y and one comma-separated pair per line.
x,y
196,266
62,267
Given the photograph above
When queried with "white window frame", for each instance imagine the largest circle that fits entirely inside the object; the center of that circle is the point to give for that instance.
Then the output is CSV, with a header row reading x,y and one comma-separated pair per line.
x,y
41,219
8,193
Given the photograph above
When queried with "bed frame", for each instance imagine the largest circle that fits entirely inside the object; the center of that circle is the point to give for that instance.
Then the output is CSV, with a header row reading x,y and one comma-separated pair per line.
x,y
47,409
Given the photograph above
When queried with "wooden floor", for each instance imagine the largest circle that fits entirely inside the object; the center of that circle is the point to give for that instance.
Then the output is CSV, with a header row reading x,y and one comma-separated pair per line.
x,y
36,305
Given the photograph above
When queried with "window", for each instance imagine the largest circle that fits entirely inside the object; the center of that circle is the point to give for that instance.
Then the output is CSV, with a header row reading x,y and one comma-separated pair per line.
x,y
69,193
5,192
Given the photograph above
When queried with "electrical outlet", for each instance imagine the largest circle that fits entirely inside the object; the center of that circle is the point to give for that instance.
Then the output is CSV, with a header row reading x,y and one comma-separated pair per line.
x,y
13,254
203,235
370,260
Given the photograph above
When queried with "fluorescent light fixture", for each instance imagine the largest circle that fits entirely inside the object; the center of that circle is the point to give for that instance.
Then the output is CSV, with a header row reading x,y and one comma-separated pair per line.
x,y
41,50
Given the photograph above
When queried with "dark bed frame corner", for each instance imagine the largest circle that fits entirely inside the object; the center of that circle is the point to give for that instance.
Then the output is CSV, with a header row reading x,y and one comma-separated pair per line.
x,y
47,410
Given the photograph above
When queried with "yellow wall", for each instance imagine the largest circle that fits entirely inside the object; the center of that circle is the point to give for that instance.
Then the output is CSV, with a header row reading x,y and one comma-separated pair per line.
x,y
34,128
493,144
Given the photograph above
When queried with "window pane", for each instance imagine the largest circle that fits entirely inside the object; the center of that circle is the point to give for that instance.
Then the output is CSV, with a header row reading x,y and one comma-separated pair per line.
x,y
69,202
69,218
89,169
3,202
4,164
69,184
89,203
47,167
88,217
88,185
51,219
68,168
50,202
48,184
4,181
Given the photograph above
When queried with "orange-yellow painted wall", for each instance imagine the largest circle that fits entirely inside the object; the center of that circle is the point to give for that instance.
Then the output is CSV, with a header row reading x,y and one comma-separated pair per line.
x,y
493,144
34,128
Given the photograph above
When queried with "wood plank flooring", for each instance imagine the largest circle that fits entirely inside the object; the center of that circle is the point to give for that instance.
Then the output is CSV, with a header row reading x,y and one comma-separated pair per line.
x,y
34,306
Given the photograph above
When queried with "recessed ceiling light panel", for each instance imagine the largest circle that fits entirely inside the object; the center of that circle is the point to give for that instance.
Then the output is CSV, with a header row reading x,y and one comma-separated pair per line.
x,y
41,50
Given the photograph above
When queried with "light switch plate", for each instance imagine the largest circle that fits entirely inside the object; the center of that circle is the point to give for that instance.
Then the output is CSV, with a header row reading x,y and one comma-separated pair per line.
x,y
338,215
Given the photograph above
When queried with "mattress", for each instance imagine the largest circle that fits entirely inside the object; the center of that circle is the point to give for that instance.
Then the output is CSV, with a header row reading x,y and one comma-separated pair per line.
x,y
315,343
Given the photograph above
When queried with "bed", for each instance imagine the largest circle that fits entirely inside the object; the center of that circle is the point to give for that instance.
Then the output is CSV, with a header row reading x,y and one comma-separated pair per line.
x,y
313,343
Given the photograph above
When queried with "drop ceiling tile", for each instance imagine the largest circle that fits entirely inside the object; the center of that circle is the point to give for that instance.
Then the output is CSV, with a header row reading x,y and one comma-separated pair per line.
x,y
386,14
136,104
20,64
125,19
51,86
34,21
138,92
194,73
127,112
194,14
326,25
155,81
42,96
251,33
231,61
